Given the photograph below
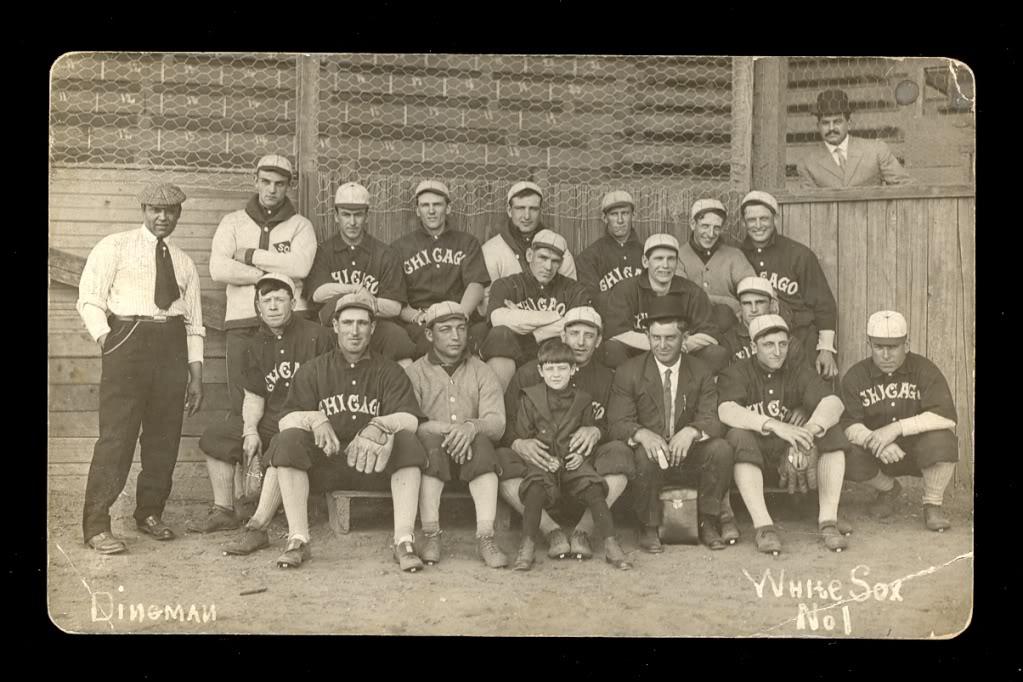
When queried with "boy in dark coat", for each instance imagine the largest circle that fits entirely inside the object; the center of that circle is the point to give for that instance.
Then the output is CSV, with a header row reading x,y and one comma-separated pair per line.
x,y
550,413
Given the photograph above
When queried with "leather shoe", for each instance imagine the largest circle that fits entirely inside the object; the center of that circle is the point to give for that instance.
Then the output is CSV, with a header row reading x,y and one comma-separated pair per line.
x,y
106,543
935,519
153,525
709,533
650,541
614,555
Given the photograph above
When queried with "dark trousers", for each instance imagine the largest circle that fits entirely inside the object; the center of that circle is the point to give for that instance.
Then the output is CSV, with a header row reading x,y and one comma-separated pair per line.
x,y
236,340
145,371
707,467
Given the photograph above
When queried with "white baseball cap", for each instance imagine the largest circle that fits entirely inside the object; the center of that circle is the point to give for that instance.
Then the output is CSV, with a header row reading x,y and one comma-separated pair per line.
x,y
358,299
756,284
524,186
758,197
618,197
549,239
766,323
583,314
277,277
275,162
435,186
660,240
887,324
351,194
701,205
445,310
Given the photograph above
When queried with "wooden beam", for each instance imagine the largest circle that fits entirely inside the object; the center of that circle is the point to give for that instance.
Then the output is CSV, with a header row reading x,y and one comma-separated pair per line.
x,y
308,119
66,268
877,193
742,124
770,81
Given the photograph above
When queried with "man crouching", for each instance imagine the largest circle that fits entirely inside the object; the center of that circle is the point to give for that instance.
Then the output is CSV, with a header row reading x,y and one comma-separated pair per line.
x,y
349,423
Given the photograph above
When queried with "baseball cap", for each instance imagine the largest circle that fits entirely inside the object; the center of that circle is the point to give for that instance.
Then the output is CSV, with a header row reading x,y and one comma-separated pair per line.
x,y
435,186
758,197
766,323
161,194
275,162
616,198
757,284
660,240
351,194
886,325
583,314
831,102
524,186
663,307
701,205
549,239
277,277
445,310
359,299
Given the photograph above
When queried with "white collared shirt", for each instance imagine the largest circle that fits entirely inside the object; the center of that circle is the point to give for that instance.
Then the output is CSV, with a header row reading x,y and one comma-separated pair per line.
x,y
119,278
842,147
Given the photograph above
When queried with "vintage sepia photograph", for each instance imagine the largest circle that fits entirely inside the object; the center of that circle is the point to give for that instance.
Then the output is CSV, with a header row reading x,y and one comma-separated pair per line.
x,y
561,345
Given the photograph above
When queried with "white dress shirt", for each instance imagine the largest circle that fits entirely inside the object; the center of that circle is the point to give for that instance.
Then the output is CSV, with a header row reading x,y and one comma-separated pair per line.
x,y
120,279
842,147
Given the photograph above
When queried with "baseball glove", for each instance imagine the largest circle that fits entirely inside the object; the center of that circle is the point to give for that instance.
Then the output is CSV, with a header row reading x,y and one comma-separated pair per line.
x,y
370,450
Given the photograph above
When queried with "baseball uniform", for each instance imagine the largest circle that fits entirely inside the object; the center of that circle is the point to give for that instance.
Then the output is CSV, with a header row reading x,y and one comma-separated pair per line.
x,y
606,262
272,357
796,275
874,399
718,271
375,266
774,394
350,395
526,293
739,344
505,255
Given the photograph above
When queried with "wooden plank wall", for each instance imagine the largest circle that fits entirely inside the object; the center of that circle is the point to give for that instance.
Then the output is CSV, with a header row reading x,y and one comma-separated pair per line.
x,y
911,250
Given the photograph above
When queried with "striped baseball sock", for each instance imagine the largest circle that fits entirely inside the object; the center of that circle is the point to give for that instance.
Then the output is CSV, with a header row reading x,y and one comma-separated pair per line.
x,y
483,489
405,483
750,481
430,490
295,492
615,487
882,482
830,472
936,478
222,479
269,501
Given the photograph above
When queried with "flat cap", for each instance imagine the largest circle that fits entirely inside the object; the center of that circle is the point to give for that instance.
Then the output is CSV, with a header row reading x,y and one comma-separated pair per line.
x,y
831,102
615,199
658,241
351,194
764,324
435,186
524,186
359,299
701,205
275,162
758,197
277,277
161,194
583,314
445,310
755,284
887,324
549,239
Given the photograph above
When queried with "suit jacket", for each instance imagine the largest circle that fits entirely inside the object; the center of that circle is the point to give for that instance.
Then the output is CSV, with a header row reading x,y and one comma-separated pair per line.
x,y
637,398
868,163
536,420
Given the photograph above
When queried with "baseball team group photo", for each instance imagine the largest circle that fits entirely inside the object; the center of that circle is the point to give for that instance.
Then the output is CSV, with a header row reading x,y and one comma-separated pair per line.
x,y
427,344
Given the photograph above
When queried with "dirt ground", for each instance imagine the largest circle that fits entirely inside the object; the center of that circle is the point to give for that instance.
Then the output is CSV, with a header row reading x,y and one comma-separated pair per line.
x,y
896,580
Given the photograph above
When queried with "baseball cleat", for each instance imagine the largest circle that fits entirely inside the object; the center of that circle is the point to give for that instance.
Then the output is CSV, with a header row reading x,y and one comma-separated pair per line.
x,y
491,554
251,541
405,555
832,538
296,552
580,545
767,541
935,519
883,505
430,551
844,527
527,554
557,544
216,519
729,531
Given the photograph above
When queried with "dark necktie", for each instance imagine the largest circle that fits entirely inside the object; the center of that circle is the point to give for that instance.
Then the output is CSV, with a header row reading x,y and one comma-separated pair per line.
x,y
669,408
166,290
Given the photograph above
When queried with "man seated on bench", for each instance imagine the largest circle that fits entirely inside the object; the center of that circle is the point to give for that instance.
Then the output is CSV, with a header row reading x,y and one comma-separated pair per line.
x,y
462,400
349,422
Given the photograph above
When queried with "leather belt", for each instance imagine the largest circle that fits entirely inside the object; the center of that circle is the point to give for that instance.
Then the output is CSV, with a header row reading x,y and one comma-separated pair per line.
x,y
144,318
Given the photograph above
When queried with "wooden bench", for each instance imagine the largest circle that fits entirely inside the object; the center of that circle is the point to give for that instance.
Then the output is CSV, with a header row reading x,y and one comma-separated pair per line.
x,y
339,508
